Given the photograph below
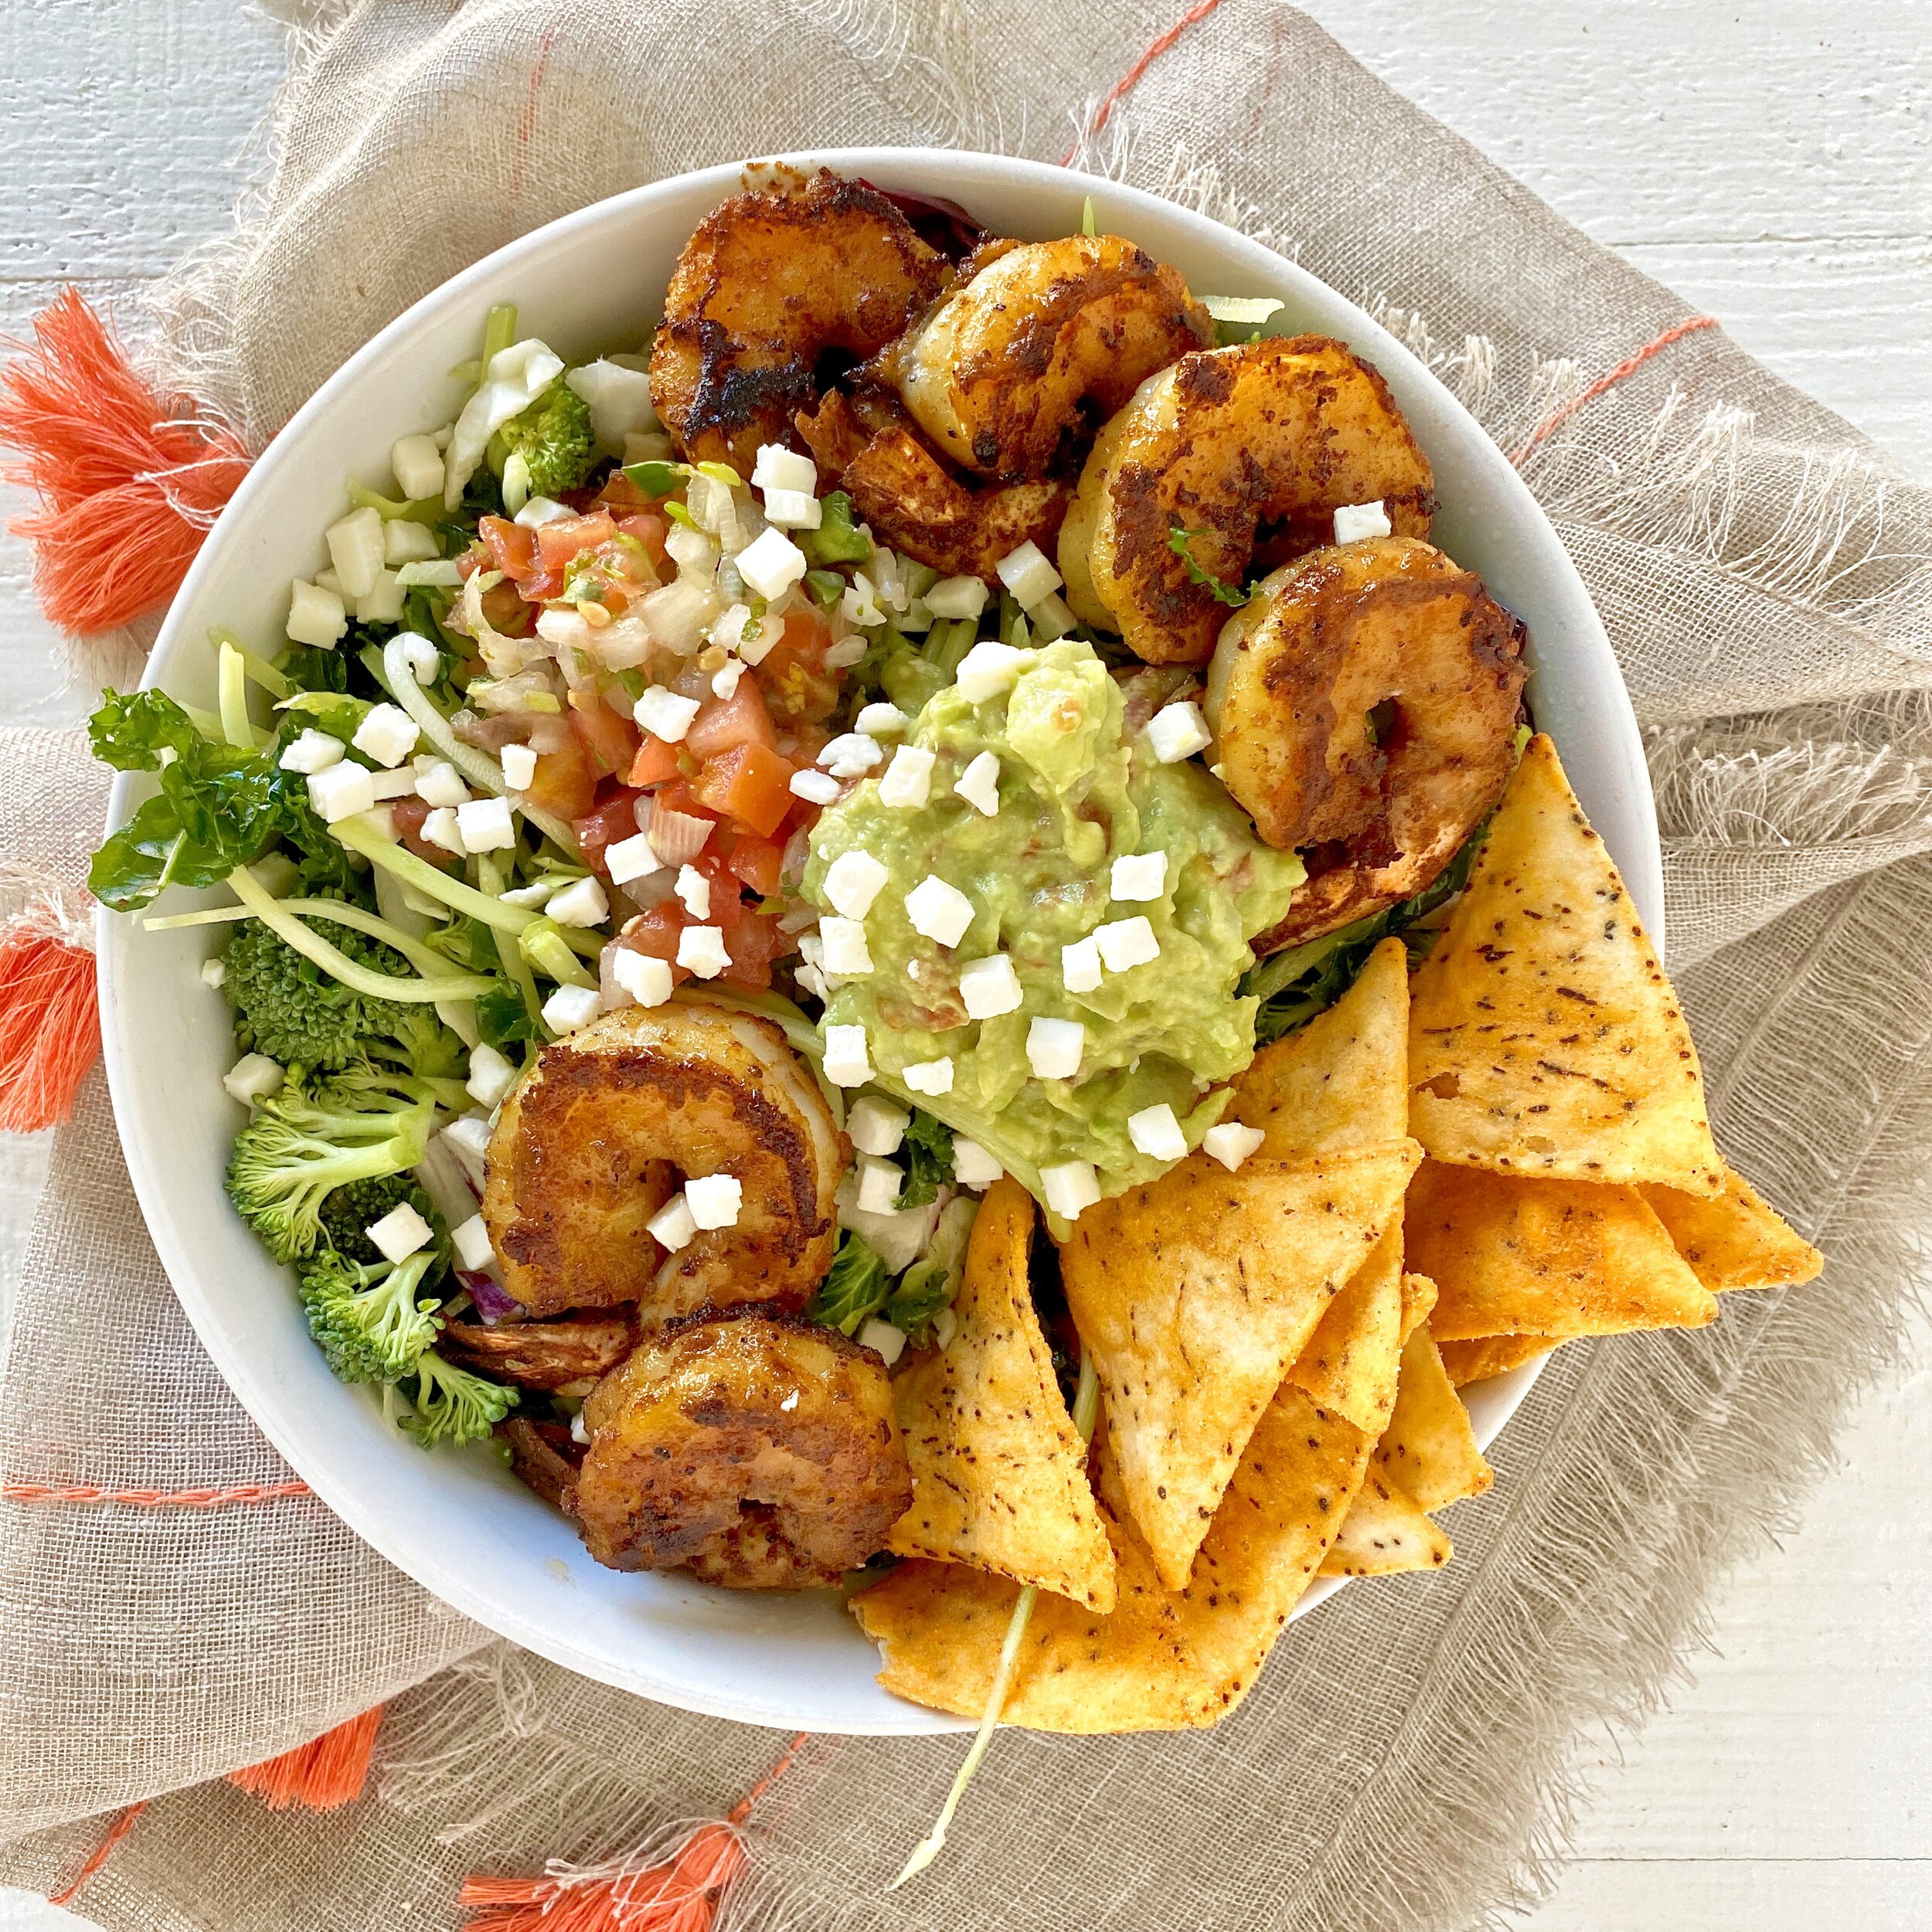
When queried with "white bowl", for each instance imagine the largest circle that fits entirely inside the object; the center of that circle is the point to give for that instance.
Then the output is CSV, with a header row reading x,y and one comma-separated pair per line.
x,y
459,1523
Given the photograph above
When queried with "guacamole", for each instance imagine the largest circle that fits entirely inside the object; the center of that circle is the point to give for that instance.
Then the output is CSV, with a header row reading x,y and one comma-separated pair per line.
x,y
1074,795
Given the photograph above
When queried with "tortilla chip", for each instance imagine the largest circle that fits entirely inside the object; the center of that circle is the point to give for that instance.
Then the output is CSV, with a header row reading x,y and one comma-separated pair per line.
x,y
1428,1447
1418,1302
1490,1355
1194,1294
1349,1363
999,1476
1735,1241
1543,1037
1515,1256
1162,1661
1385,1531
1343,1080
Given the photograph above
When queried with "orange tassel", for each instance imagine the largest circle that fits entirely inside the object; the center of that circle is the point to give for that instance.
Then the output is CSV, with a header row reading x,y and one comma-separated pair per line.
x,y
679,1893
322,1775
129,484
49,1024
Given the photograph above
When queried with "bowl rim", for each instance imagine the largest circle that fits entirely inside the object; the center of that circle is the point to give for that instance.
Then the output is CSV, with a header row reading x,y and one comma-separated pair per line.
x,y
119,968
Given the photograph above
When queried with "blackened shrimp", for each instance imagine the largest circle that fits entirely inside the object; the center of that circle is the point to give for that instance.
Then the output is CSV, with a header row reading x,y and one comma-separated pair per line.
x,y
1364,705
771,285
596,1137
1265,440
756,1450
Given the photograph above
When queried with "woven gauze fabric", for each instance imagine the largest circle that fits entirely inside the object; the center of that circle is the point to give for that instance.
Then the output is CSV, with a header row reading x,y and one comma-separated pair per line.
x,y
1409,1759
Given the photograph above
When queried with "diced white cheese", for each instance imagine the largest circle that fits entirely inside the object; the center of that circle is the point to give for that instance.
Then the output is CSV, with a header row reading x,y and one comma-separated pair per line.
x,y
570,1007
1054,1047
672,1225
852,882
881,720
646,980
848,1060
1138,875
844,950
1028,574
252,1077
1178,731
1157,1133
728,632
1126,942
851,755
533,894
1355,521
1230,1143
876,1126
700,950
724,680
930,1077
816,788
908,782
989,987
627,859
442,784
314,751
406,541
793,510
316,616
416,464
540,510
214,972
469,1135
582,902
779,469
989,668
957,598
328,580
664,714
939,912
979,785
619,400
879,1185
714,1199
440,829
883,1338
355,551
973,1167
1081,965
694,892
519,766
400,1232
1069,1187
486,825
1051,617
422,657
771,564
388,734
341,792
491,1077
383,602
471,1239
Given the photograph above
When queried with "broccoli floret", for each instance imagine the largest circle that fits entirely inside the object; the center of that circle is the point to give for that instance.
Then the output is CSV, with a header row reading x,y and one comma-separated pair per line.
x,y
313,1137
554,438
294,1010
369,1321
452,1405
349,1211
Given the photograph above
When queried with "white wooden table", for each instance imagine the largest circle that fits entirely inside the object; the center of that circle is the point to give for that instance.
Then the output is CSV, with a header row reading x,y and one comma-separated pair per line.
x,y
1771,160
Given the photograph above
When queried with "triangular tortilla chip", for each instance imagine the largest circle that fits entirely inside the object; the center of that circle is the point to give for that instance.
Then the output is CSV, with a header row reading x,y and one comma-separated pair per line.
x,y
1487,1356
1516,1257
1428,1447
1543,1037
1343,1080
999,1476
1163,1661
1193,1294
1735,1241
1349,1363
1385,1531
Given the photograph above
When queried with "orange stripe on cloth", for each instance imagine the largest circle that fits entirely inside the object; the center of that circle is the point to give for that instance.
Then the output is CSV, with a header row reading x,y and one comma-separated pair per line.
x,y
99,1856
10,1492
1131,78
1604,384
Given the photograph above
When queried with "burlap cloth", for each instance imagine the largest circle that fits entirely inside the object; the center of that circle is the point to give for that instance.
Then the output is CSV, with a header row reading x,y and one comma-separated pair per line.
x,y
1410,1757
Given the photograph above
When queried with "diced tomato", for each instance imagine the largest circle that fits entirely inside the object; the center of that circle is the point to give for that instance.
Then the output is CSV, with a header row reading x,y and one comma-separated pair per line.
x,y
512,546
610,738
407,815
753,939
656,762
506,611
749,784
566,782
724,723
759,863
798,690
569,537
648,529
612,817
